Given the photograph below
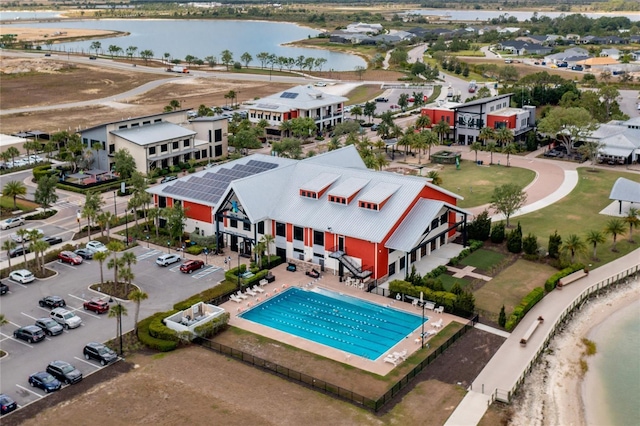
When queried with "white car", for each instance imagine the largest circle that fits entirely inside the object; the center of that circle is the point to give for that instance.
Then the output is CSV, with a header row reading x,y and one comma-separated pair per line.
x,y
22,276
11,223
321,84
168,259
65,318
18,239
96,246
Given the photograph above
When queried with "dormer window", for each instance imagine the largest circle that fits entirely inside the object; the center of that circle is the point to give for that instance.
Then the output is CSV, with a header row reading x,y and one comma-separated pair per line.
x,y
308,194
367,205
339,200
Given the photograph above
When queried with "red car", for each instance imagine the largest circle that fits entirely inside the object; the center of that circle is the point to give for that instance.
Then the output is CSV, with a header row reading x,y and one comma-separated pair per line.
x,y
191,265
69,257
96,305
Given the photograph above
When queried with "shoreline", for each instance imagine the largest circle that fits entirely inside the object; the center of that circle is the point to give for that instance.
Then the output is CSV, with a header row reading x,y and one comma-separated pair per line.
x,y
554,392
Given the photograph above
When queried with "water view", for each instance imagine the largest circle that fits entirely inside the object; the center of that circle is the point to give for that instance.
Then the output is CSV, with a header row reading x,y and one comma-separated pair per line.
x,y
202,38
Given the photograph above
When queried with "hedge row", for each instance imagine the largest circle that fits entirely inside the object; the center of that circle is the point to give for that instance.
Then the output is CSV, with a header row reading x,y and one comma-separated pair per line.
x,y
525,306
208,295
436,272
43,170
160,331
444,298
150,341
473,246
552,282
112,186
214,326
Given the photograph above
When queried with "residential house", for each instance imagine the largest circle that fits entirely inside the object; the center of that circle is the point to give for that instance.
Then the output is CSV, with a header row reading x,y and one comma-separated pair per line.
x,y
620,140
573,53
364,28
598,63
158,141
328,211
612,53
519,47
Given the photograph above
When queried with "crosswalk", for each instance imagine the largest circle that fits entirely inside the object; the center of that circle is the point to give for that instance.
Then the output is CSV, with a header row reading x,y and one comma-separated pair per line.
x,y
204,272
148,254
209,269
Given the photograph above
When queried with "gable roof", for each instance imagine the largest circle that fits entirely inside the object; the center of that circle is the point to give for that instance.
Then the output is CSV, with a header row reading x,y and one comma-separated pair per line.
x,y
303,97
152,133
625,190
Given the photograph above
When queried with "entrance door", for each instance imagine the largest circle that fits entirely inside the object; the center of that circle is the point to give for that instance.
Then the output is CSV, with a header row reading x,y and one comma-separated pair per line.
x,y
234,243
340,243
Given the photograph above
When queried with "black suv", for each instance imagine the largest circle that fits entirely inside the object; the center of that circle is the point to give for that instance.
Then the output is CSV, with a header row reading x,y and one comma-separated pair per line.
x,y
99,352
168,179
4,289
52,302
30,333
64,372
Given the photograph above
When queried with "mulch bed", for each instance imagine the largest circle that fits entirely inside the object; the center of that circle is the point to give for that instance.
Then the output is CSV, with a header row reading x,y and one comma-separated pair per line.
x,y
114,290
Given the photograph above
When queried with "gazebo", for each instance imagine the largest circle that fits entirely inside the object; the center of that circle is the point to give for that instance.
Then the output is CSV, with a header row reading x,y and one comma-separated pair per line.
x,y
625,190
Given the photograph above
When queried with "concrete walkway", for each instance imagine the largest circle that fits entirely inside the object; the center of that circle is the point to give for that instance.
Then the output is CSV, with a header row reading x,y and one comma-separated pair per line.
x,y
493,330
467,271
508,364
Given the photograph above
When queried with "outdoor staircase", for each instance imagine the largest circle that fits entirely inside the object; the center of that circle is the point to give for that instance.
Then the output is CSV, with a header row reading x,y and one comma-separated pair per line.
x,y
352,267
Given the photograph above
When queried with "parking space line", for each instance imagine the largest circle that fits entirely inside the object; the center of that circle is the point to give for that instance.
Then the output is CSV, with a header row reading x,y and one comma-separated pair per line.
x,y
175,269
68,266
206,272
21,342
81,310
87,362
16,282
77,297
29,316
30,391
147,255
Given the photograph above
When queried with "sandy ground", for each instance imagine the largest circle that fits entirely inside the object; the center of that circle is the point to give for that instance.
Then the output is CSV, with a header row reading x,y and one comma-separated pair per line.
x,y
41,35
553,392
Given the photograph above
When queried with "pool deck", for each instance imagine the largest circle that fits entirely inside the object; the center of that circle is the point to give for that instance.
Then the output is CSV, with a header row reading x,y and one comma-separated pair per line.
x,y
331,282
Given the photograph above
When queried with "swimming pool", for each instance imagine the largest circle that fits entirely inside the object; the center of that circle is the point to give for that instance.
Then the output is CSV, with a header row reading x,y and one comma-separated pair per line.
x,y
343,322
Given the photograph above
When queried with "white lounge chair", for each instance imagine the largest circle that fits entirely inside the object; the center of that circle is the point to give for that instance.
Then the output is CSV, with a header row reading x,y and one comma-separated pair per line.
x,y
258,289
439,309
437,324
241,295
430,333
235,298
251,292
391,359
415,302
401,355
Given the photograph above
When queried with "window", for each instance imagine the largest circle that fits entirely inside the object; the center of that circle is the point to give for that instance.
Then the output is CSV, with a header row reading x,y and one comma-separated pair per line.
x,y
158,120
218,150
298,233
112,148
162,201
318,238
434,223
135,124
261,227
187,157
492,108
443,218
176,145
146,122
197,155
233,223
218,135
203,153
281,229
392,269
246,226
210,139
186,143
164,148
122,127
402,263
152,150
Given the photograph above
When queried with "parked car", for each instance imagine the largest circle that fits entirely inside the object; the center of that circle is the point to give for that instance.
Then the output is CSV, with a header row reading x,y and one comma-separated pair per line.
x,y
168,259
30,333
96,246
394,106
563,65
92,58
168,179
65,318
19,251
49,326
52,302
85,253
64,372
18,239
52,240
12,222
321,84
7,404
22,276
577,68
45,381
99,352
375,127
191,265
69,257
4,289
96,305
382,99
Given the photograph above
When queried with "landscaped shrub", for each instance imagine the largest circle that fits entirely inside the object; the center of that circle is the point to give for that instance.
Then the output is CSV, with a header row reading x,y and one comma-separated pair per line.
x,y
555,241
158,330
207,295
552,282
528,302
443,298
465,301
497,233
214,326
502,318
480,228
442,269
43,170
530,245
195,250
153,342
514,240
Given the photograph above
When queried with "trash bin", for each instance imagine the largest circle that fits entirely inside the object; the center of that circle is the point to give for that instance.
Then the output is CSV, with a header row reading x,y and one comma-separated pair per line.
x,y
481,162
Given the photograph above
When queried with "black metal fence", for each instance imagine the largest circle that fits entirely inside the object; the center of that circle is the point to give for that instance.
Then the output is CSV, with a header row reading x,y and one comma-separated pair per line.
x,y
330,388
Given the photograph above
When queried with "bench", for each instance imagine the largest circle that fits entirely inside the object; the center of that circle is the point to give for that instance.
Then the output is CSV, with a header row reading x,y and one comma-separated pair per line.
x,y
429,305
530,331
571,278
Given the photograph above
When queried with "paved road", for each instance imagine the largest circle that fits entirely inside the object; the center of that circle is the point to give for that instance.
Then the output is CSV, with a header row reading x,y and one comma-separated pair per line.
x,y
165,286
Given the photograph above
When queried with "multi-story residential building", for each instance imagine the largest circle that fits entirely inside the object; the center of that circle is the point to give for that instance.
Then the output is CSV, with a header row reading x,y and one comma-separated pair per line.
x,y
466,119
300,101
328,210
159,140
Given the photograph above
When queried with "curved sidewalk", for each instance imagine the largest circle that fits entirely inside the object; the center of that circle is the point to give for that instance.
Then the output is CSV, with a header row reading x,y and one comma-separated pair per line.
x,y
510,361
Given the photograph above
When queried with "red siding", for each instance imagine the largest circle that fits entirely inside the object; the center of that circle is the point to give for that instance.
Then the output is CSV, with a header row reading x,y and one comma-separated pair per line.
x,y
289,232
364,250
437,115
198,211
434,194
169,202
493,119
452,220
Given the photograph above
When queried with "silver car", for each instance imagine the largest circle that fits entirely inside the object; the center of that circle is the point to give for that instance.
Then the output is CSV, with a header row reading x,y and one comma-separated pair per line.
x,y
168,259
65,318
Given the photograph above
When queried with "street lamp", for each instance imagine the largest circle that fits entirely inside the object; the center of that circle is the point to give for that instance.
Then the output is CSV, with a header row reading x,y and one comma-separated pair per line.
x,y
120,325
115,208
126,226
240,247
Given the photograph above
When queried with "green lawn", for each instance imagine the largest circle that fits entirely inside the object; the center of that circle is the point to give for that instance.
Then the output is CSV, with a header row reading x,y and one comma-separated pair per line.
x,y
448,281
510,286
578,213
476,183
483,259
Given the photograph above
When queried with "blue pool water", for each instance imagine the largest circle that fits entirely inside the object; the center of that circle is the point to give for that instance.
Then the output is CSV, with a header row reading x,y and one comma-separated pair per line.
x,y
333,319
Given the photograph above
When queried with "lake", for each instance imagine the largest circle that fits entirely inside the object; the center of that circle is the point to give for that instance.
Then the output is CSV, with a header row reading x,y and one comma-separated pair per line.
x,y
202,38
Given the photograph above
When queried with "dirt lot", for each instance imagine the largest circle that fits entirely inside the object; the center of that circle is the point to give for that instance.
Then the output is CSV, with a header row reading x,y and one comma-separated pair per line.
x,y
193,384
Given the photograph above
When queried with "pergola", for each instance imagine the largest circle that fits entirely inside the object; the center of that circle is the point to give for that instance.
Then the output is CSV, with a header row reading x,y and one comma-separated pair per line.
x,y
625,190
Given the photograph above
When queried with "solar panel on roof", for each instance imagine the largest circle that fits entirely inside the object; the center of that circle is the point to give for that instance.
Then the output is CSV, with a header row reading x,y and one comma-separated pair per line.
x,y
289,95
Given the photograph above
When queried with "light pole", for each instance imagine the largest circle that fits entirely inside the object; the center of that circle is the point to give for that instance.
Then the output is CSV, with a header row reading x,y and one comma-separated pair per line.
x,y
422,334
115,208
120,325
78,220
240,246
126,225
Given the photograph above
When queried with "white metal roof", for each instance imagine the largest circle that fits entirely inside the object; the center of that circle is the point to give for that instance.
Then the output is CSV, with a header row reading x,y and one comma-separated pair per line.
x,y
349,187
320,182
153,133
379,192
414,225
625,190
304,97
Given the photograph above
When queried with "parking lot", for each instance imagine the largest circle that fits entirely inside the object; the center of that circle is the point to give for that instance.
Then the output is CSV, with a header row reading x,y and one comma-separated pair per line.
x,y
165,286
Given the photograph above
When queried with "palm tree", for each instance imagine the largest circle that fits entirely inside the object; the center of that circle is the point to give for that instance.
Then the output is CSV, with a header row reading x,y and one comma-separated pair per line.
x,y
423,122
3,320
431,140
137,296
39,247
23,234
573,245
614,227
114,263
632,219
510,149
420,144
7,245
594,238
435,177
476,146
126,275
105,219
101,256
258,250
130,259
491,147
441,129
154,215
486,134
267,239
286,127
504,136
14,189
117,312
